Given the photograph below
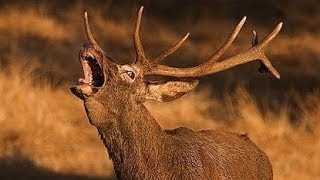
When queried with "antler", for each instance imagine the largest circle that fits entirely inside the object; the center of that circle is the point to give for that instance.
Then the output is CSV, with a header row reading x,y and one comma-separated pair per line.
x,y
88,30
162,56
211,65
141,57
89,33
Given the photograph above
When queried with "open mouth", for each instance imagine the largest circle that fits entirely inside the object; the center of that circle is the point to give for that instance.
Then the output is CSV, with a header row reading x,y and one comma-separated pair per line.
x,y
93,73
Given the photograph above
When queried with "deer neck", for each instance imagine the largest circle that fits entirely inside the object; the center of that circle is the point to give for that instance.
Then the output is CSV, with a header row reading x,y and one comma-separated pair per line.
x,y
131,136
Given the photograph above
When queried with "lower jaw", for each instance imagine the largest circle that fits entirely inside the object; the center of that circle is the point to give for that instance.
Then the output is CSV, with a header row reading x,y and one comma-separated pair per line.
x,y
82,91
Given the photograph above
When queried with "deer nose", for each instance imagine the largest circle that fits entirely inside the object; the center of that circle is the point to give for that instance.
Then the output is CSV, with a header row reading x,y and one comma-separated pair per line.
x,y
86,45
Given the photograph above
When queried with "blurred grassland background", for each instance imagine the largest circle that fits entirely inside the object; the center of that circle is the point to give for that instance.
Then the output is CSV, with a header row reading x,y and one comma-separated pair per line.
x,y
44,132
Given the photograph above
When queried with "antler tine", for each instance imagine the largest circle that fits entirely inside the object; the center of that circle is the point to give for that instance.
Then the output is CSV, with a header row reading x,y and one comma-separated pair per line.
x,y
255,38
214,57
137,42
162,56
89,33
273,34
266,65
255,41
88,30
206,68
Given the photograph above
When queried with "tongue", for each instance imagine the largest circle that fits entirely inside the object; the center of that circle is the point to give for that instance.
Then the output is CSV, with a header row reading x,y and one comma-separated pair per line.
x,y
83,81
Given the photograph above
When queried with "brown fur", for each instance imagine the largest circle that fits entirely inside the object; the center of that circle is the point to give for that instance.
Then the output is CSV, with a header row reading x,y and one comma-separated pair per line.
x,y
140,149
138,146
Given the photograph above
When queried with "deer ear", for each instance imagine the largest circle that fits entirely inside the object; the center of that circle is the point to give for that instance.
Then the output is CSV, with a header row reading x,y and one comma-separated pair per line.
x,y
170,91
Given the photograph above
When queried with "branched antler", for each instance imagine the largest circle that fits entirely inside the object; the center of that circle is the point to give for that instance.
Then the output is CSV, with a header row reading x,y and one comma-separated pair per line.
x,y
210,65
141,57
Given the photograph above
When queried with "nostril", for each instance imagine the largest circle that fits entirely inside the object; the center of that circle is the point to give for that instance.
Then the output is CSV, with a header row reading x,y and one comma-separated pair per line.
x,y
85,45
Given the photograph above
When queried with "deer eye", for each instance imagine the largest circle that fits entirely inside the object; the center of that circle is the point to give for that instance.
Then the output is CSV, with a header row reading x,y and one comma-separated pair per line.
x,y
130,74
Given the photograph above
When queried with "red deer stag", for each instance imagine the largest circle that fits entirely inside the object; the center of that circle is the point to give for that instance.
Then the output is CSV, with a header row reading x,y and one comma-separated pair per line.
x,y
114,94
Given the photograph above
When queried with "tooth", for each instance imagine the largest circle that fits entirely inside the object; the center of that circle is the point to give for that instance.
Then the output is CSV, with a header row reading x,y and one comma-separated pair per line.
x,y
90,55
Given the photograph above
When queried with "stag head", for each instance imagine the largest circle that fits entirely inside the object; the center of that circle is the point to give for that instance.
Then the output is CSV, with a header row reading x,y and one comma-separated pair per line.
x,y
108,82
104,78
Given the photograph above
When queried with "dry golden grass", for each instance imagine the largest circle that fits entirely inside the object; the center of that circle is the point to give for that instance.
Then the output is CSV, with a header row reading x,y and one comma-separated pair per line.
x,y
35,120
48,126
43,123
28,22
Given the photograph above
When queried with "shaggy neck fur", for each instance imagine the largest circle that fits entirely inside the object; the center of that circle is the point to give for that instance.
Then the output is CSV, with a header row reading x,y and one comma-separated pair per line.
x,y
140,149
131,140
